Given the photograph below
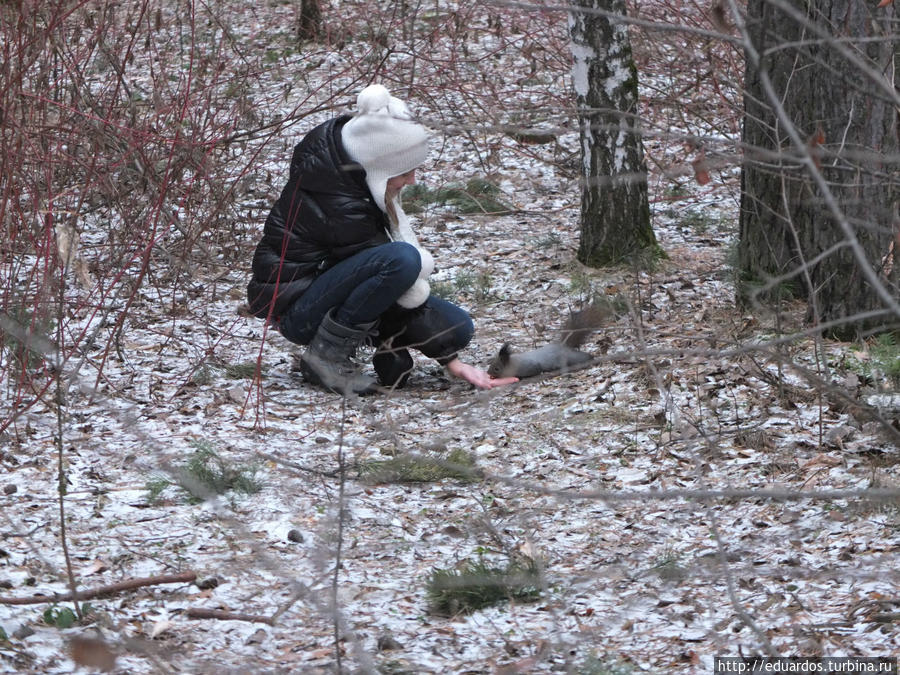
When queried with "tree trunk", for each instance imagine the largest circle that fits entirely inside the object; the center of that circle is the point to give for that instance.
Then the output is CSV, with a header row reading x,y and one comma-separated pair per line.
x,y
615,211
309,20
791,243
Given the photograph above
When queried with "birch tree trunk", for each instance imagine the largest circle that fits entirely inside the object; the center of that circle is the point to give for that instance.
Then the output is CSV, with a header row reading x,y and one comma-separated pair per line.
x,y
615,211
791,240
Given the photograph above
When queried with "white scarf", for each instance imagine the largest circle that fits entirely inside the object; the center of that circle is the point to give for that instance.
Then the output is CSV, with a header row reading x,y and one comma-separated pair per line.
x,y
401,230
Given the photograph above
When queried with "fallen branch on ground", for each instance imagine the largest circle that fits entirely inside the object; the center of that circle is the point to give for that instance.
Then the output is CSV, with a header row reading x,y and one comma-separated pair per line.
x,y
127,585
223,615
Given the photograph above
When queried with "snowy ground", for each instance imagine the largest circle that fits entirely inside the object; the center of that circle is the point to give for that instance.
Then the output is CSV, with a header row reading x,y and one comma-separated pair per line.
x,y
630,481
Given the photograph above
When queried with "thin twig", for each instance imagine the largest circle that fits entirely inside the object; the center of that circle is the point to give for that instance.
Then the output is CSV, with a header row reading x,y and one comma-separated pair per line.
x,y
61,478
340,537
742,614
297,467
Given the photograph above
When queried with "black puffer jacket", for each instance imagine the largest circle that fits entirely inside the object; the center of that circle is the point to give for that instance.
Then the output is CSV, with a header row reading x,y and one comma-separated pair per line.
x,y
324,214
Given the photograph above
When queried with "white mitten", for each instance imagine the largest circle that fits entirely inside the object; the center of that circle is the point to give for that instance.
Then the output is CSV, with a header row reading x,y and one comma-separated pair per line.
x,y
418,293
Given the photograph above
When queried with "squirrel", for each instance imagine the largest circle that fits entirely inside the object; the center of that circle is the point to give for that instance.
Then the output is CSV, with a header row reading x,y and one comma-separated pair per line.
x,y
556,355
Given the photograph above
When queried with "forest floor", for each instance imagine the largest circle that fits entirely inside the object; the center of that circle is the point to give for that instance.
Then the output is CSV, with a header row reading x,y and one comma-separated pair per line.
x,y
697,491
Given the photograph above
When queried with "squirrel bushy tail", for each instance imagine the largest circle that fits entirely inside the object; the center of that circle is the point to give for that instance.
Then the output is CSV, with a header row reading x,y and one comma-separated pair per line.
x,y
584,322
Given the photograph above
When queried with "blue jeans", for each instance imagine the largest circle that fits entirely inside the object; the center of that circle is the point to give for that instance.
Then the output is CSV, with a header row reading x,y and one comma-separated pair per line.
x,y
365,287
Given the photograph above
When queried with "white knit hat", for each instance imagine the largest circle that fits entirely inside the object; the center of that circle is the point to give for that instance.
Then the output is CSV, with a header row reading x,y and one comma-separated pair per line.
x,y
383,138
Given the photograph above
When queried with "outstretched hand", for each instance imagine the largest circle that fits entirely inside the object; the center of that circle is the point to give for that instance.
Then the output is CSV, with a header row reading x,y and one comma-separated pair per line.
x,y
476,376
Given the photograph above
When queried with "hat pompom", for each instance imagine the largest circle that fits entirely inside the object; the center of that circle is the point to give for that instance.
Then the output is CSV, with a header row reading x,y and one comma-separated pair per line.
x,y
373,98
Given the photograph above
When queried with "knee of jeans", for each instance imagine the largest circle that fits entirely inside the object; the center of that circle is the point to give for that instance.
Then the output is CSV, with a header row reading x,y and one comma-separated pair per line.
x,y
299,335
454,340
462,332
406,260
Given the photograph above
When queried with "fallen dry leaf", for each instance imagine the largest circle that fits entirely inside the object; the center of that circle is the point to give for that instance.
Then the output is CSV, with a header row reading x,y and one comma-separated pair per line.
x,y
821,460
96,567
161,627
92,653
701,170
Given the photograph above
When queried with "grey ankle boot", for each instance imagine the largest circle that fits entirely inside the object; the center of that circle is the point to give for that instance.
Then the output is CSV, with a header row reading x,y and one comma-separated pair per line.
x,y
328,360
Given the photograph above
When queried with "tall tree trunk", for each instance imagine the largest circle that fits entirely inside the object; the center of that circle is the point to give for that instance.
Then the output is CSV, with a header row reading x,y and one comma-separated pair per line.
x,y
791,242
309,20
615,211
